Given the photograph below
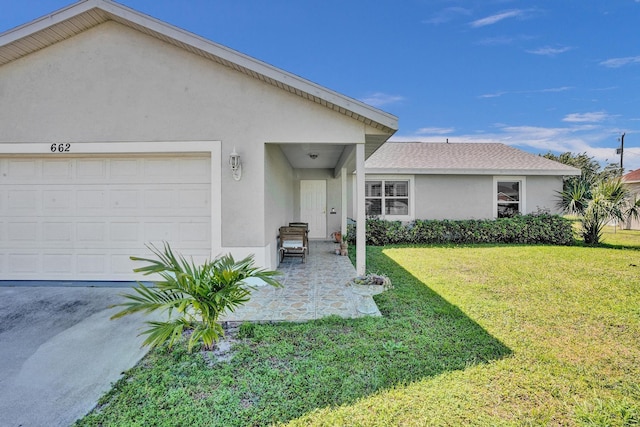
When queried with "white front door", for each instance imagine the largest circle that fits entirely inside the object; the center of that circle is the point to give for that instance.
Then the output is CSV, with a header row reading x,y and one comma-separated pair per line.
x,y
313,207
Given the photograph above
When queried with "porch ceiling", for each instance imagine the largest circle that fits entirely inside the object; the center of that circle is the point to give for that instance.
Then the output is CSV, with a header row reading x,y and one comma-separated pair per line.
x,y
328,156
300,156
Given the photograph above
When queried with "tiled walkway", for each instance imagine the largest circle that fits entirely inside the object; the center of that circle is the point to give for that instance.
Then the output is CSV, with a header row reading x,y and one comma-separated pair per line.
x,y
311,290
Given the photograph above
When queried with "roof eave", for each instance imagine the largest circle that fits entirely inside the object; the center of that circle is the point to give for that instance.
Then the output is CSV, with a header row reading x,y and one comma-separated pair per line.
x,y
450,171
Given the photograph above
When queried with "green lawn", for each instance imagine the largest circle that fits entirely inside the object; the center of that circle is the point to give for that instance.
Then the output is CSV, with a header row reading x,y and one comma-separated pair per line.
x,y
621,238
480,335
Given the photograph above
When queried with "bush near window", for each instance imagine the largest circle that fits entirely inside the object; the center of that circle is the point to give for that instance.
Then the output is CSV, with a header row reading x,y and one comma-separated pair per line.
x,y
523,229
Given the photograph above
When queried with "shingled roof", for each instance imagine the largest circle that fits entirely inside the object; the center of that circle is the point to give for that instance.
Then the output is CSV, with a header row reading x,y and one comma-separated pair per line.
x,y
461,158
633,176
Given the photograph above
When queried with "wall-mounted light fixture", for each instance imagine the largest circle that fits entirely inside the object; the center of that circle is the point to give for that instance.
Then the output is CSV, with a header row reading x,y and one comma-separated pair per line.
x,y
235,164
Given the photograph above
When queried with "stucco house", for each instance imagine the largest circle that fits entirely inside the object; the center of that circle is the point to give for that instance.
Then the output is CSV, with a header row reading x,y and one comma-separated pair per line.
x,y
117,129
420,180
632,179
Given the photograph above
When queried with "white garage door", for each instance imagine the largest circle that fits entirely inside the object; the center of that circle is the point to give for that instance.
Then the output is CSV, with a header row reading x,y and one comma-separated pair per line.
x,y
81,218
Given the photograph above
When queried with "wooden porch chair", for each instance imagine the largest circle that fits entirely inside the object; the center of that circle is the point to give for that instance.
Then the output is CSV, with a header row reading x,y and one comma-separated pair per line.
x,y
305,226
292,243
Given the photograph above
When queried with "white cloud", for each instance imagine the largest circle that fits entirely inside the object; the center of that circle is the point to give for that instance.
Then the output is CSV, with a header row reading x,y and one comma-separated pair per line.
x,y
555,89
504,40
447,15
520,92
493,95
434,131
550,51
493,19
620,62
593,117
379,99
496,41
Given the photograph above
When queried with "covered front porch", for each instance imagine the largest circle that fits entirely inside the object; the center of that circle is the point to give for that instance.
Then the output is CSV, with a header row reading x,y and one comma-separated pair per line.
x,y
311,290
320,184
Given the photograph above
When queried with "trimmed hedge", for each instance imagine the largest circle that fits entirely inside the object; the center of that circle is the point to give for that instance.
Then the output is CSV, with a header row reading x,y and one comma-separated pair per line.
x,y
522,229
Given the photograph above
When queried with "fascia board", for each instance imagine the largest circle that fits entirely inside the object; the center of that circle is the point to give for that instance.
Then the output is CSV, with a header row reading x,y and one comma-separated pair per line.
x,y
47,21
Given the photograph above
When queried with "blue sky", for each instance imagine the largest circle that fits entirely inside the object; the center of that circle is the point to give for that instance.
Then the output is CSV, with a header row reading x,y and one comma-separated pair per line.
x,y
552,75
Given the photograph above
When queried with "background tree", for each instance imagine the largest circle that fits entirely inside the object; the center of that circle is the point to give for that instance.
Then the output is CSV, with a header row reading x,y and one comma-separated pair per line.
x,y
590,168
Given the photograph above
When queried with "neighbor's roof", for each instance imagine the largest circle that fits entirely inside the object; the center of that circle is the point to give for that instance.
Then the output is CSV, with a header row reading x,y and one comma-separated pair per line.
x,y
633,176
461,158
85,14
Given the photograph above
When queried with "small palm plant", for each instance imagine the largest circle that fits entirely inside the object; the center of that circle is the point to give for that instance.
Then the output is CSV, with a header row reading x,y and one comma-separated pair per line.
x,y
597,204
199,294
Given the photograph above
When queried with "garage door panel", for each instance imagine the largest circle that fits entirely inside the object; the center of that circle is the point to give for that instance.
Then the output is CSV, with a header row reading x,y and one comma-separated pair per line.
x,y
194,233
91,200
161,231
23,262
20,200
91,169
82,219
58,263
194,199
89,264
159,199
91,232
157,167
58,200
124,232
23,231
124,168
58,233
22,170
123,199
58,170
194,167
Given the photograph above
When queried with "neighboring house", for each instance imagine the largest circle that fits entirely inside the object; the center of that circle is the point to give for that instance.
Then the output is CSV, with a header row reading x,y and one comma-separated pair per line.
x,y
117,129
420,180
632,179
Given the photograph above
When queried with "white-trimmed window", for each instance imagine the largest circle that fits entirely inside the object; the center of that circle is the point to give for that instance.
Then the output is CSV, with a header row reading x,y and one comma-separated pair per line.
x,y
389,197
509,196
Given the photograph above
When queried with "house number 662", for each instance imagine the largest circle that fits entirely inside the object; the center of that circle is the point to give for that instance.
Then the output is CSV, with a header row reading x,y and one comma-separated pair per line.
x,y
60,148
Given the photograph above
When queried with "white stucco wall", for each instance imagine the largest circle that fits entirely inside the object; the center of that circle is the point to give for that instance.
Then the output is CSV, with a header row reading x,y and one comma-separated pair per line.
x,y
542,193
112,83
632,223
279,196
473,196
453,197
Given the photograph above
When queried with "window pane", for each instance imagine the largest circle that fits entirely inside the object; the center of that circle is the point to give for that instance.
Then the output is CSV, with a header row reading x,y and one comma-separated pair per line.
x,y
509,191
396,206
373,206
396,188
373,188
507,210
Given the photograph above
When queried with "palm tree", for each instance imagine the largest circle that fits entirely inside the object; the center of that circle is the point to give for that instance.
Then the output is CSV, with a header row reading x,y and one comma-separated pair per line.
x,y
597,204
199,294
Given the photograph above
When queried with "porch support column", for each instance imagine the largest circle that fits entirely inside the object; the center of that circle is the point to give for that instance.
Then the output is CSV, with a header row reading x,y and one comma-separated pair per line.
x,y
361,243
343,209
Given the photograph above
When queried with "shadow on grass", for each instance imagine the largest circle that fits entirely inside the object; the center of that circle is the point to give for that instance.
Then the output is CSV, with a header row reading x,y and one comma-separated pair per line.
x,y
616,246
284,371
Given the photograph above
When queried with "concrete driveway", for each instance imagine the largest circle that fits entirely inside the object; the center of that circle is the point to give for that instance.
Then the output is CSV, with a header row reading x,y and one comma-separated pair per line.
x,y
59,352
